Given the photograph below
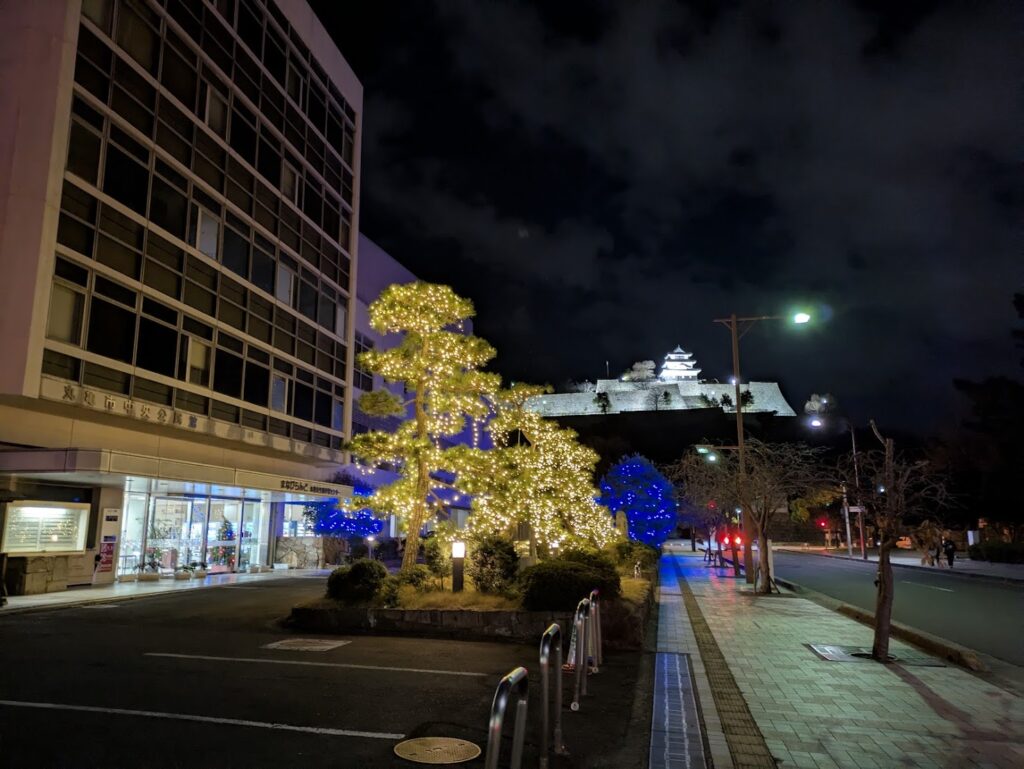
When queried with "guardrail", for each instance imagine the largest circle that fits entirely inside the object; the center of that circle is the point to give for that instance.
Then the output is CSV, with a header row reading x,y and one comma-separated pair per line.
x,y
514,683
552,638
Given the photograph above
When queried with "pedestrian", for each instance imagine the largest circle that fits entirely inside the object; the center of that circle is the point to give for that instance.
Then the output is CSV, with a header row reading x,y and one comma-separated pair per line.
x,y
949,547
938,553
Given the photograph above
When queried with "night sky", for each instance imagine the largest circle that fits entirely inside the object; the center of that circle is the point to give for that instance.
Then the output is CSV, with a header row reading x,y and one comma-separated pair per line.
x,y
604,179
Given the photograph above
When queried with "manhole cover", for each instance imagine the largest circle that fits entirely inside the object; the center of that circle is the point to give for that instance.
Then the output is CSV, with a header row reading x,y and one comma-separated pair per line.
x,y
306,645
836,653
437,750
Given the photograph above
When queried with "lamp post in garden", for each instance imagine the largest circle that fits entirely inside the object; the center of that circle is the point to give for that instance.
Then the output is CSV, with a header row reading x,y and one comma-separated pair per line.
x,y
458,566
738,326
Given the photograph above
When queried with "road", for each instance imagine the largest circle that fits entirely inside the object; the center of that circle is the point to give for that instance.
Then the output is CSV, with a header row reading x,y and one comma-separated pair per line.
x,y
186,680
981,615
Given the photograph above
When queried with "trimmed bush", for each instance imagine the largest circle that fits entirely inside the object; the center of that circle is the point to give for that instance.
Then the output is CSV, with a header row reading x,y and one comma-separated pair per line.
x,y
493,565
389,591
356,583
608,576
418,576
628,552
997,552
559,585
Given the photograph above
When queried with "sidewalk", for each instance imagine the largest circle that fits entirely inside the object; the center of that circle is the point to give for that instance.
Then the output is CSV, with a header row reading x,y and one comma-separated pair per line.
x,y
912,559
126,591
795,709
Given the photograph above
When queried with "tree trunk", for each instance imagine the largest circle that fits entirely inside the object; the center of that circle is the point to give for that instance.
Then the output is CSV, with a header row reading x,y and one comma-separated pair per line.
x,y
418,515
883,602
764,585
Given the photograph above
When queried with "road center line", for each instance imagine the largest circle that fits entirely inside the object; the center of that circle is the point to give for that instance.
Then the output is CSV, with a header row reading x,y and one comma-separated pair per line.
x,y
911,582
203,719
314,664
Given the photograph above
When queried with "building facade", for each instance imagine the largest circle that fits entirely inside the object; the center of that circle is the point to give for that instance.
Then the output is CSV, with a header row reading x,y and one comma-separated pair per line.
x,y
178,240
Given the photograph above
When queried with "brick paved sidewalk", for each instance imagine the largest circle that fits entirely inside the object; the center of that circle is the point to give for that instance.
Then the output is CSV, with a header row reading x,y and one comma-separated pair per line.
x,y
830,715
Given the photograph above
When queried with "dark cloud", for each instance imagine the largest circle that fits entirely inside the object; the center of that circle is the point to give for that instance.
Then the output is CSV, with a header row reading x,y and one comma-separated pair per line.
x,y
604,179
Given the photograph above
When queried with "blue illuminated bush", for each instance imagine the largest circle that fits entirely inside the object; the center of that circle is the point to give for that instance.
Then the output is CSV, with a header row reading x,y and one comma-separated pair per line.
x,y
635,487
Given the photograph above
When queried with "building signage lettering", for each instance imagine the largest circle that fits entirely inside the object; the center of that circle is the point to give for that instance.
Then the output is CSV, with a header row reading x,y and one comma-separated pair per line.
x,y
145,412
311,488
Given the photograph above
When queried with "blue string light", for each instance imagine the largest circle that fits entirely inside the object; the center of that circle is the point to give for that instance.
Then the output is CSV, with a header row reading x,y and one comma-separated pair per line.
x,y
634,486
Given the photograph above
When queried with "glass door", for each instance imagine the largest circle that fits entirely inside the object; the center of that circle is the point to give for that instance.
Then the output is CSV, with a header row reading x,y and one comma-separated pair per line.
x,y
255,531
133,534
197,532
167,543
222,535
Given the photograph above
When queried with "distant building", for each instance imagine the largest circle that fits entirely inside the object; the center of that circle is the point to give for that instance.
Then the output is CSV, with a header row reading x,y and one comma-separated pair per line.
x,y
675,388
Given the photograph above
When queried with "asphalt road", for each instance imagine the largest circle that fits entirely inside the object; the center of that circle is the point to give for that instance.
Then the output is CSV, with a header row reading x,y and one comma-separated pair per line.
x,y
981,615
88,687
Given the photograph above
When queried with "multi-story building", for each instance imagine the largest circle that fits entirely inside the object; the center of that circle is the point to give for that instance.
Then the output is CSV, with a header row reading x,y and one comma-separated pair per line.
x,y
178,249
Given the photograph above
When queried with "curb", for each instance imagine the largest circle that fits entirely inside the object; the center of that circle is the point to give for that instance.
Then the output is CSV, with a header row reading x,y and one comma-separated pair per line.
x,y
930,569
939,647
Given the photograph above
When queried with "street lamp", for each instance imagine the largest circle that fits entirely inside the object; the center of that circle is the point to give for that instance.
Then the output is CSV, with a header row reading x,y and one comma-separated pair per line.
x,y
458,565
369,543
817,422
733,323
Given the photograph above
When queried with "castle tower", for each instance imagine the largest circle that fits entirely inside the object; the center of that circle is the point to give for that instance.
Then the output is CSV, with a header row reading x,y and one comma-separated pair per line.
x,y
679,366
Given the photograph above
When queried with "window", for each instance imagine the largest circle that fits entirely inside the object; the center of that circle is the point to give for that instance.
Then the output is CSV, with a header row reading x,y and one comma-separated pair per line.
x,y
216,112
227,378
197,356
339,322
307,299
337,416
256,384
285,284
66,310
208,234
289,182
294,84
168,208
84,152
156,347
41,527
135,36
111,331
236,252
99,12
279,393
125,180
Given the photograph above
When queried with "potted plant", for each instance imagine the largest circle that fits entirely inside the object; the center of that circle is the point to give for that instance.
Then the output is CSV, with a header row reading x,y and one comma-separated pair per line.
x,y
149,571
130,576
198,570
183,572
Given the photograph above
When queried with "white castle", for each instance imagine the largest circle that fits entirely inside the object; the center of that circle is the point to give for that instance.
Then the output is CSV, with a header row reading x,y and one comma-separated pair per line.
x,y
675,387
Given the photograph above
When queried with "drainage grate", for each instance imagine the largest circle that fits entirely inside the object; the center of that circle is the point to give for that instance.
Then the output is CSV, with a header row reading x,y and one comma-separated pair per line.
x,y
836,653
306,645
437,750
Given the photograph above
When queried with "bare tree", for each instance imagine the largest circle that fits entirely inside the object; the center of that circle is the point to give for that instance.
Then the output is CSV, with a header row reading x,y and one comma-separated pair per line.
x,y
776,473
892,488
702,496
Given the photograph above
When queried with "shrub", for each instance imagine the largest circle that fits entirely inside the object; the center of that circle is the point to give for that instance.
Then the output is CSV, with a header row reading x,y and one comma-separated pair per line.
x,y
628,552
997,552
438,560
356,583
493,564
418,576
389,591
559,585
602,565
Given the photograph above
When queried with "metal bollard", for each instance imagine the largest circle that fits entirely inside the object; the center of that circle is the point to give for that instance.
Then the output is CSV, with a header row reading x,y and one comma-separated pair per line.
x,y
552,637
595,619
517,683
581,622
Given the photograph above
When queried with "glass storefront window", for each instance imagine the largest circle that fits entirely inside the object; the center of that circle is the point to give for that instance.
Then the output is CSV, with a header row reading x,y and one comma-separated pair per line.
x,y
255,528
295,523
132,533
222,535
45,527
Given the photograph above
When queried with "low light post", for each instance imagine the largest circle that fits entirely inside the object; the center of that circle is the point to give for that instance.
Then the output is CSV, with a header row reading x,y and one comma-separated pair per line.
x,y
458,566
369,543
733,324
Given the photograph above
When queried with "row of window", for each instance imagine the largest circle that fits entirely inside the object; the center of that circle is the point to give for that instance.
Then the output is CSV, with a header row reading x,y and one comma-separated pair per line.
x,y
112,320
181,208
121,243
362,379
292,187
291,88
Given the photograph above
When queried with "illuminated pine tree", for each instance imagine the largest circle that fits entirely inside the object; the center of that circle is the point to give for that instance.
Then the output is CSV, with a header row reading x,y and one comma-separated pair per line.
x,y
537,474
439,368
635,487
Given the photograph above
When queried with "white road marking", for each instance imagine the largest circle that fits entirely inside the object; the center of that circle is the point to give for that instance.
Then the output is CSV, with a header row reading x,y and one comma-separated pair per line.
x,y
911,582
203,719
314,664
306,644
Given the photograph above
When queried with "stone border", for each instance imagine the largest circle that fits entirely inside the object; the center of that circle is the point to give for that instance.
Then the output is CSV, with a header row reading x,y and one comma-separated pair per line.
x,y
623,626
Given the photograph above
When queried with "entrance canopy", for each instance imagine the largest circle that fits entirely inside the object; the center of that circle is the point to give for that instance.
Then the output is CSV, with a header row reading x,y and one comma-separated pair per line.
x,y
154,475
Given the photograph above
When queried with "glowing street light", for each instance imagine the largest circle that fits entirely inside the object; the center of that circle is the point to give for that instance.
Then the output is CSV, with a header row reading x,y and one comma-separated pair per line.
x,y
801,317
815,422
